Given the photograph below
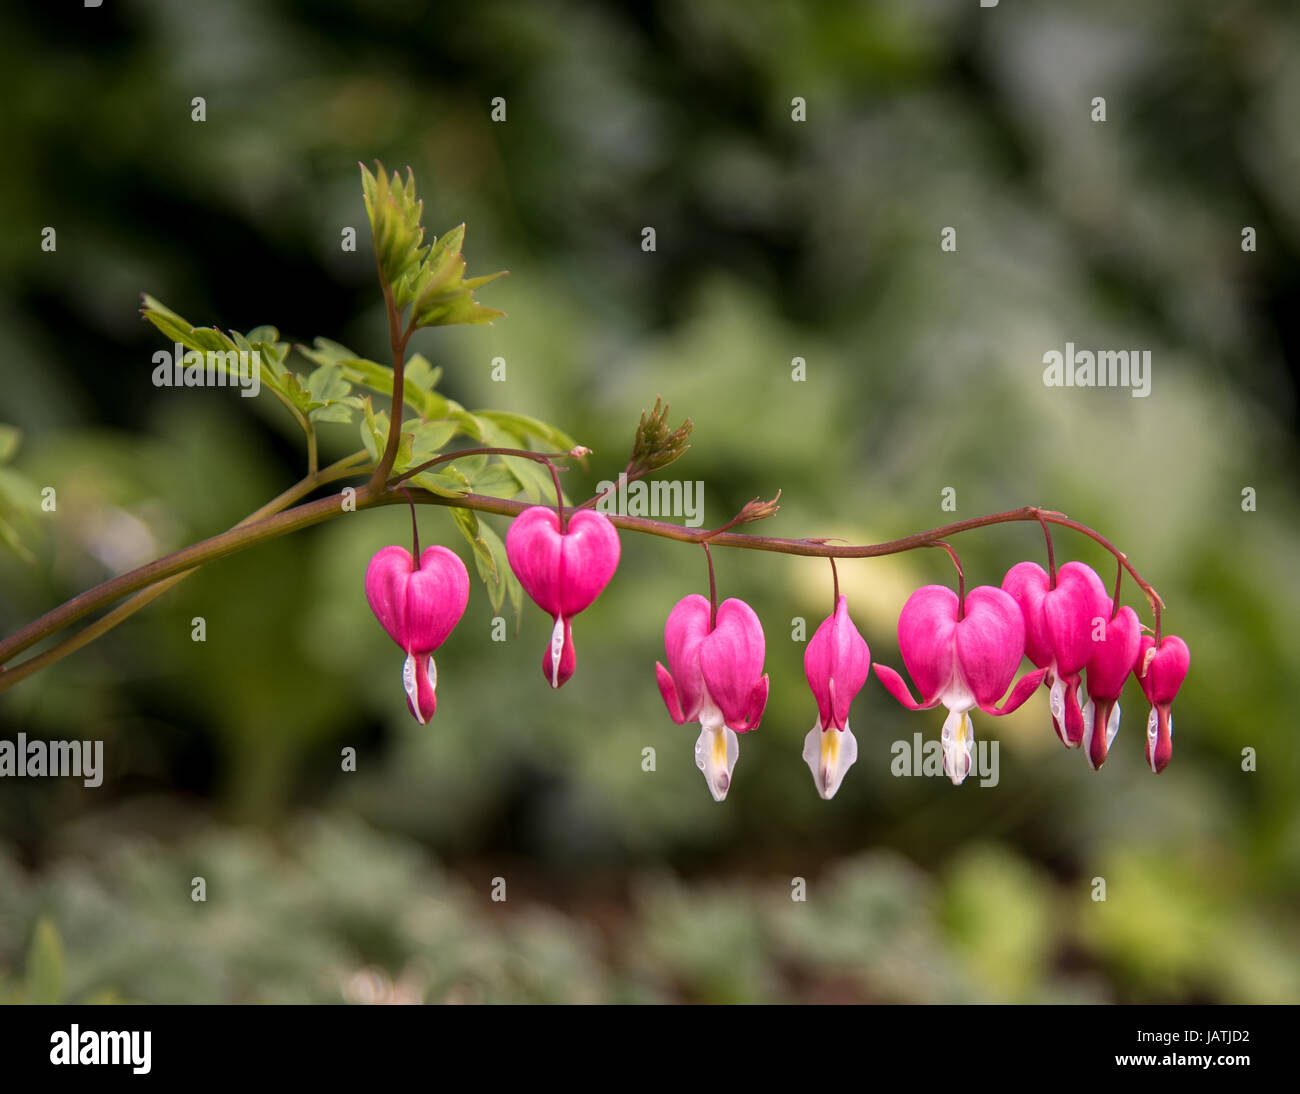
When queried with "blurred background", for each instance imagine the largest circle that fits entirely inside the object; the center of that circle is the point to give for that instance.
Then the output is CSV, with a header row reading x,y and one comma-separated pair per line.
x,y
775,239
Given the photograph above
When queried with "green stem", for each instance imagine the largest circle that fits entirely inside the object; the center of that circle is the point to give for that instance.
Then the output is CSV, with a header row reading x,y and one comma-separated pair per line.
x,y
398,342
8,677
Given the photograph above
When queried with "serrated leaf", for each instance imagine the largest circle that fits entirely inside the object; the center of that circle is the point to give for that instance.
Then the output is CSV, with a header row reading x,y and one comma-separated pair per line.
x,y
394,213
46,979
429,279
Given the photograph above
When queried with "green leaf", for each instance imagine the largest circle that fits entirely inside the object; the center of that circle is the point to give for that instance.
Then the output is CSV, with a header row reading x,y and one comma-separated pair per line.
x,y
264,340
467,522
429,438
525,427
495,480
394,214
446,482
490,560
46,978
533,478
429,279
374,435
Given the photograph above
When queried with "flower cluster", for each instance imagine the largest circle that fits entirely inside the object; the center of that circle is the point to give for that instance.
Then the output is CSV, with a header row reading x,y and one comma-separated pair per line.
x,y
961,649
1073,629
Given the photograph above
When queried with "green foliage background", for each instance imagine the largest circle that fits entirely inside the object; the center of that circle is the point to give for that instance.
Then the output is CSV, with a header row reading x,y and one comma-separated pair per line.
x,y
774,240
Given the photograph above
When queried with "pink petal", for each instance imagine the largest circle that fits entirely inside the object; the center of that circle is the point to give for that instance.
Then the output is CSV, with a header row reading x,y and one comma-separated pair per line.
x,y
926,629
1026,583
421,698
436,596
1160,737
562,573
1115,656
731,660
990,642
686,628
568,660
1025,687
898,689
387,574
418,608
837,663
590,554
754,712
669,692
1161,671
1069,611
533,549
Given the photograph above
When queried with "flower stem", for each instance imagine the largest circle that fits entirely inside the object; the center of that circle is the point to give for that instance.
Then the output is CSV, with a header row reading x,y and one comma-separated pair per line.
x,y
713,588
398,341
1051,555
961,580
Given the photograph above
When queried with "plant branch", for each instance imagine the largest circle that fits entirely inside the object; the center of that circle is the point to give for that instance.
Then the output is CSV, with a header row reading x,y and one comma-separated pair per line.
x,y
272,526
397,339
8,677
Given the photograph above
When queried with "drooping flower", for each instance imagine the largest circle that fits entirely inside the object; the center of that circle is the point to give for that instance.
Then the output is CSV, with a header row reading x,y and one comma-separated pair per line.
x,y
1058,633
1161,671
1114,654
418,608
961,662
716,679
837,663
562,571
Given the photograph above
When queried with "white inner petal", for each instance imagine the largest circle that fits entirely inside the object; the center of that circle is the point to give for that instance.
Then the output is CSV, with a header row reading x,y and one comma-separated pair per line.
x,y
412,686
829,754
557,648
958,739
1056,701
716,752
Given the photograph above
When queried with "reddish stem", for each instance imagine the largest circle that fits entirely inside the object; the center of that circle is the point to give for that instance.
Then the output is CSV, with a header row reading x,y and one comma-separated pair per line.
x,y
713,589
961,580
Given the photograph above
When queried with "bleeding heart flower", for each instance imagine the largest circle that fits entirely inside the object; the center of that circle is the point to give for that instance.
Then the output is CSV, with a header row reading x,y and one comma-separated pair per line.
x,y
562,572
1058,633
837,663
717,680
418,609
960,662
1113,656
1161,671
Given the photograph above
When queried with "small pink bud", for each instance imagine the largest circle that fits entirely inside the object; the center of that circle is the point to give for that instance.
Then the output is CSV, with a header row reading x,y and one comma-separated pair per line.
x,y
1160,671
837,663
1113,658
